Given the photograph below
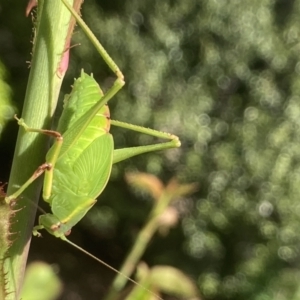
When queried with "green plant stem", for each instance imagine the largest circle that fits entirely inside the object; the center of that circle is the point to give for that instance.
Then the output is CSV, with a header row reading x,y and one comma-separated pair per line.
x,y
52,36
140,245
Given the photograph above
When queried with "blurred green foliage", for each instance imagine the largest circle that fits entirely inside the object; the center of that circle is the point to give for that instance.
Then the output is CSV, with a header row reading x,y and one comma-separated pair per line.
x,y
41,282
6,107
225,77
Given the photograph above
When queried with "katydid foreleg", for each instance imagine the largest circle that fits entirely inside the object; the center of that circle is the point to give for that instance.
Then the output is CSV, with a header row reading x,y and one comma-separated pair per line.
x,y
45,167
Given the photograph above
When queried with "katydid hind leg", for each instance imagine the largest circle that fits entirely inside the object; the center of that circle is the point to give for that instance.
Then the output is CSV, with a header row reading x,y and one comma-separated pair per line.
x,y
122,154
106,57
119,82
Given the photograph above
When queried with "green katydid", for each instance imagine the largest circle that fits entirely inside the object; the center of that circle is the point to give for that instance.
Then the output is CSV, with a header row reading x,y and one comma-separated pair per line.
x,y
79,163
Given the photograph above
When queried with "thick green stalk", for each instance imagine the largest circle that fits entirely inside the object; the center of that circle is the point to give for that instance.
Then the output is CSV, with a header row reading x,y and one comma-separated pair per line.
x,y
52,36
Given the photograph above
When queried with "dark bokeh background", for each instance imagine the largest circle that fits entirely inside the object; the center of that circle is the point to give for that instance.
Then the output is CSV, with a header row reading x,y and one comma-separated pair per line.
x,y
225,77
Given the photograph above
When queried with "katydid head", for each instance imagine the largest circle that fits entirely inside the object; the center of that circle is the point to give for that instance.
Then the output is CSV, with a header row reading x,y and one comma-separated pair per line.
x,y
56,227
52,224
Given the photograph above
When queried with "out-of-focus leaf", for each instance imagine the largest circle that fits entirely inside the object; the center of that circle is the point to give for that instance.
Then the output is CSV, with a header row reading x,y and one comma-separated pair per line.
x,y
172,281
146,183
6,108
178,190
163,279
41,282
